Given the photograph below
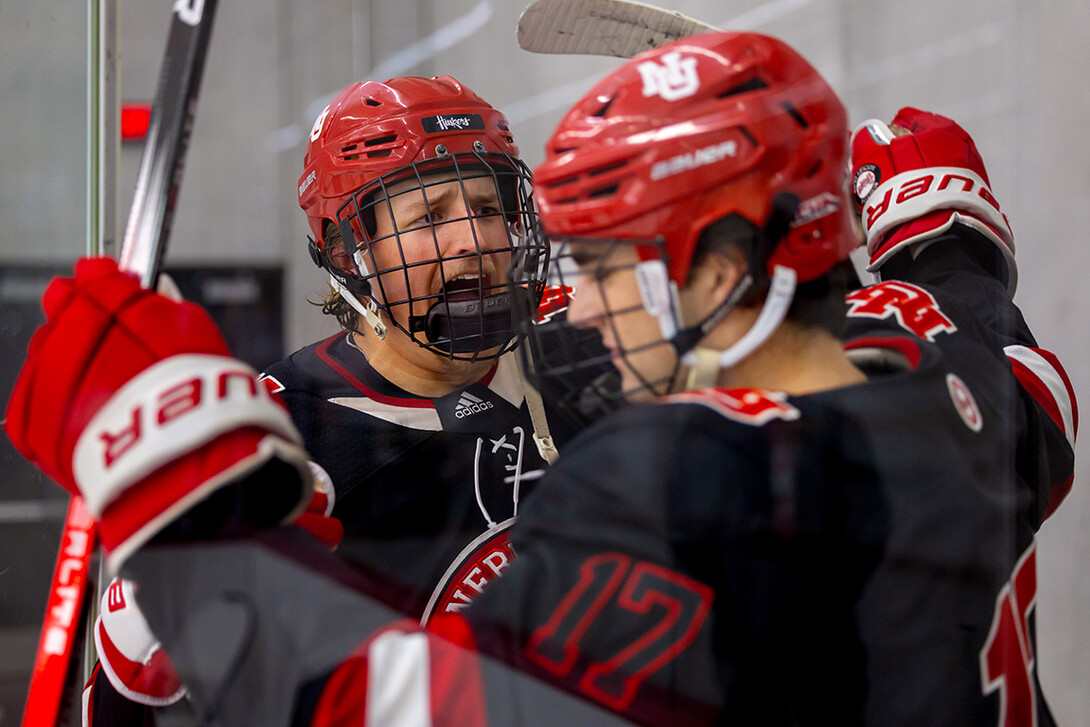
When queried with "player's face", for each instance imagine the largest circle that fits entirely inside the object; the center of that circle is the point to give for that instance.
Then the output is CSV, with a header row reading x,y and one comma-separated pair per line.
x,y
607,298
446,240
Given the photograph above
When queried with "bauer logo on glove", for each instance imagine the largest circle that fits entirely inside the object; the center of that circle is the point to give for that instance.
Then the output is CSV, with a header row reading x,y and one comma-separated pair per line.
x,y
167,410
915,178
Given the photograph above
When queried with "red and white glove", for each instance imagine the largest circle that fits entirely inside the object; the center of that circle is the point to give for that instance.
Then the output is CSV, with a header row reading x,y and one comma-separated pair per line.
x,y
913,181
318,518
130,656
133,401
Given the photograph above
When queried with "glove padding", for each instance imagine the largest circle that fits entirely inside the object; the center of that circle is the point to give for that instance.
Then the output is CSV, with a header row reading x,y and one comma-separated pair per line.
x,y
132,401
131,657
912,187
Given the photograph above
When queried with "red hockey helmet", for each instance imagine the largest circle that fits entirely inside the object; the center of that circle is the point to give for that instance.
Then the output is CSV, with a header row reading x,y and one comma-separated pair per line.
x,y
374,136
374,129
725,126
691,132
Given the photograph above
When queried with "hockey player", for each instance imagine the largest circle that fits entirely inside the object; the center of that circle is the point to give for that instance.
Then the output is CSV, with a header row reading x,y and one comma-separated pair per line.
x,y
416,199
785,529
414,414
774,529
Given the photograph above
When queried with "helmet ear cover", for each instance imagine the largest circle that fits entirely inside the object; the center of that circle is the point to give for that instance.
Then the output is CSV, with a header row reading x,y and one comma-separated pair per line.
x,y
817,302
757,243
322,257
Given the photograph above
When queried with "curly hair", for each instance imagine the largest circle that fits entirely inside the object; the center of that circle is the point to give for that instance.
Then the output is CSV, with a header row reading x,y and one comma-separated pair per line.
x,y
335,305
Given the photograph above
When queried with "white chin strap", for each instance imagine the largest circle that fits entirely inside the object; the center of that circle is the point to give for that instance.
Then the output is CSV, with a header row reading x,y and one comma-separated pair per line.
x,y
705,364
369,311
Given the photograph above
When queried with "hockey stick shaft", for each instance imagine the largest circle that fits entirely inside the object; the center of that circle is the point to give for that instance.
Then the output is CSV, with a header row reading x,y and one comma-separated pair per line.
x,y
169,128
616,28
63,613
146,235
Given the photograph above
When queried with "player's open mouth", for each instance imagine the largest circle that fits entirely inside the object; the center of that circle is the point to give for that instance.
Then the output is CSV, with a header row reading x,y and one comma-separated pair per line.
x,y
467,287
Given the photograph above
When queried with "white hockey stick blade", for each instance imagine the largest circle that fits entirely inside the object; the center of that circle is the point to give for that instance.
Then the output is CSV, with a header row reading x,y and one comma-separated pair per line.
x,y
617,28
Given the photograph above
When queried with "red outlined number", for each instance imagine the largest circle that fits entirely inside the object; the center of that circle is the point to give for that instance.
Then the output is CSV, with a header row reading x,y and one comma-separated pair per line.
x,y
555,646
1007,659
675,608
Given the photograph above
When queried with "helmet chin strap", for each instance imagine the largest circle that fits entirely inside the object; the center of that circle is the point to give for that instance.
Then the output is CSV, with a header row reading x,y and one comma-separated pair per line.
x,y
705,364
368,311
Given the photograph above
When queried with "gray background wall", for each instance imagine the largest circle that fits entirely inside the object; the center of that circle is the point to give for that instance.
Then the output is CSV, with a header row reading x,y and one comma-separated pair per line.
x,y
1011,71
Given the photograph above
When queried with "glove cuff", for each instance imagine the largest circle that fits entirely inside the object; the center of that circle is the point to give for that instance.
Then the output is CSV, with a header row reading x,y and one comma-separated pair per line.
x,y
173,407
919,204
141,512
917,233
172,435
131,657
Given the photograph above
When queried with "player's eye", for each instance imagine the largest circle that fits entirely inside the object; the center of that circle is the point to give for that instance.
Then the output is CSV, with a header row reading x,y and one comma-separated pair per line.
x,y
417,221
485,207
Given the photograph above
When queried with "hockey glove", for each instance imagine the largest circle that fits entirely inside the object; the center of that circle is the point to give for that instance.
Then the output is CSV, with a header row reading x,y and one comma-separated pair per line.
x,y
130,656
914,181
132,400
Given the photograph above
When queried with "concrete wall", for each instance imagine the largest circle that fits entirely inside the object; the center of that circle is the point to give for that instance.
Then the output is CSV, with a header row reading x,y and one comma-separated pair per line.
x,y
1012,71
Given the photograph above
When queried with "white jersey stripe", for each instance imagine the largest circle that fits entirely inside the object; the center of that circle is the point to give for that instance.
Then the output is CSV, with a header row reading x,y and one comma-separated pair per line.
x,y
411,418
398,681
1044,372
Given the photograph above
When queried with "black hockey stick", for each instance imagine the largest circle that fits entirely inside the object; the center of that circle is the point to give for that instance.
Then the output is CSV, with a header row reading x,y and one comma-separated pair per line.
x,y
145,241
617,28
171,122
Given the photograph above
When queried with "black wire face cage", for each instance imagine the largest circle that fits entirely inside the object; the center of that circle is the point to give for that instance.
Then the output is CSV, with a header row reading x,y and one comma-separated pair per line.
x,y
449,292
566,357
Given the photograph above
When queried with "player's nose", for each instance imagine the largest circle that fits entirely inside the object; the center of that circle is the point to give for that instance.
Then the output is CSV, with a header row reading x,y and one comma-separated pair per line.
x,y
458,235
585,304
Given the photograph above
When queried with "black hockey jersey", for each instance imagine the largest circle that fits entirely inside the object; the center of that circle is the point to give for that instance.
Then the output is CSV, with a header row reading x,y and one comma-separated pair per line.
x,y
857,556
426,488
863,555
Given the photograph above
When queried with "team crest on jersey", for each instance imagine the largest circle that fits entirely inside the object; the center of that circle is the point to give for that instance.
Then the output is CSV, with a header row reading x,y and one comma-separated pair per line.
x,y
964,403
479,563
748,406
914,308
675,78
